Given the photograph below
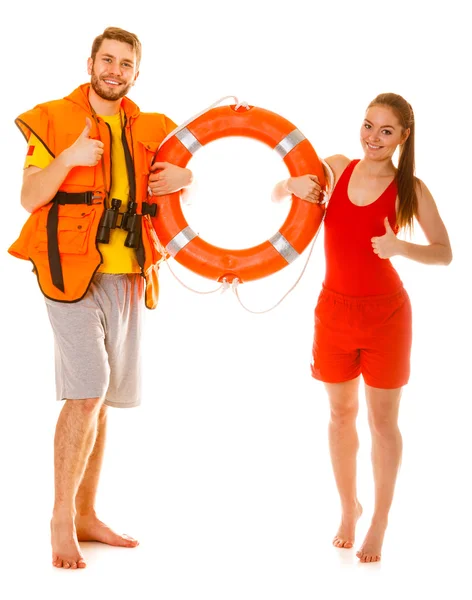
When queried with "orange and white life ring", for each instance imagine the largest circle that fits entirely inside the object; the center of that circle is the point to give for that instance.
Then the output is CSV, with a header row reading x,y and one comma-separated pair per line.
x,y
298,229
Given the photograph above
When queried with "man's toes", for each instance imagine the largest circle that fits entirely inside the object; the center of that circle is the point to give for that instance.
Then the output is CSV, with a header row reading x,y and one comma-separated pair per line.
x,y
81,564
129,541
66,564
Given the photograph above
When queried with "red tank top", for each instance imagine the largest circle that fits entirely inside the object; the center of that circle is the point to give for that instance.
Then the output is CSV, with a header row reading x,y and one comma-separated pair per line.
x,y
352,268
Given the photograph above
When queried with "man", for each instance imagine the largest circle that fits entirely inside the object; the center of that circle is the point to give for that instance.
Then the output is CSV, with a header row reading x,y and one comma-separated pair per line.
x,y
88,182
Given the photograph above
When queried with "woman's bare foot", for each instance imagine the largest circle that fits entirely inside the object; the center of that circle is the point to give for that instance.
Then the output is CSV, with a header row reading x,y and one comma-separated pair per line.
x,y
371,549
347,530
65,546
91,529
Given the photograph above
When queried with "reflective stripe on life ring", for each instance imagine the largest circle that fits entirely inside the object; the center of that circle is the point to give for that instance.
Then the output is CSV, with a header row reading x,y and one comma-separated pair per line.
x,y
298,229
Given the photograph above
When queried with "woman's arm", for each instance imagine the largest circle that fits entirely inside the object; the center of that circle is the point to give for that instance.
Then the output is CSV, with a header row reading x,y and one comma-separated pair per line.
x,y
438,251
307,186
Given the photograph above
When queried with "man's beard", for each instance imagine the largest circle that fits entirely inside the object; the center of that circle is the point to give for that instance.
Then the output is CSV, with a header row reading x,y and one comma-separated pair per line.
x,y
106,93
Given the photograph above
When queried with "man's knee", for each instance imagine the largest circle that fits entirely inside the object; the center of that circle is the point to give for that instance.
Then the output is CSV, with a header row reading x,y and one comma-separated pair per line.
x,y
87,405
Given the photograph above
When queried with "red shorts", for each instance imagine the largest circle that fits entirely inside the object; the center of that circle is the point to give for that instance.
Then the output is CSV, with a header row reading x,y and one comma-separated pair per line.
x,y
368,336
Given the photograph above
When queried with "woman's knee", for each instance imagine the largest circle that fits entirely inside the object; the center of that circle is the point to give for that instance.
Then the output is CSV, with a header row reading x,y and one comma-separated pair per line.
x,y
343,414
383,425
343,402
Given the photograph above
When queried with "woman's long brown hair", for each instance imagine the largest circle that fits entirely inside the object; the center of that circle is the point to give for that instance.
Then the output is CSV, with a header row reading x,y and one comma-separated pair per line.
x,y
406,180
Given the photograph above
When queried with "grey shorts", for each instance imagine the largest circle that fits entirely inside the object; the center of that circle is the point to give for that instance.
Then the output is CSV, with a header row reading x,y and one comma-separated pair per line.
x,y
97,341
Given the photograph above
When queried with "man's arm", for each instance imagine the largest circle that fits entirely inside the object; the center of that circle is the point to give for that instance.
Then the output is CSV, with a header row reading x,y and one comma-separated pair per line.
x,y
40,185
167,178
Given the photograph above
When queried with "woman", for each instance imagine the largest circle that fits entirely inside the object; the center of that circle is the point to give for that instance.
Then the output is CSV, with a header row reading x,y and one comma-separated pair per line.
x,y
363,314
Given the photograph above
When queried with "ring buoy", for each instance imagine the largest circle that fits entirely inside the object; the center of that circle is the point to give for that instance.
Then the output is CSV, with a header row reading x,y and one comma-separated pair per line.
x,y
298,229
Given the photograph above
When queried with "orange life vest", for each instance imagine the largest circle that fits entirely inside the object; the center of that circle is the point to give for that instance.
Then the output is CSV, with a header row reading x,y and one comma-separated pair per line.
x,y
60,237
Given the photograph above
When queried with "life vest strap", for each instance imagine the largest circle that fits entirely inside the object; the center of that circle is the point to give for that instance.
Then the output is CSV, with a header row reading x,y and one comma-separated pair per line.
x,y
75,198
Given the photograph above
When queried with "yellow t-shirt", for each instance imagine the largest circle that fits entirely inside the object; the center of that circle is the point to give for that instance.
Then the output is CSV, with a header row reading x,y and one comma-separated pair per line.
x,y
117,258
37,155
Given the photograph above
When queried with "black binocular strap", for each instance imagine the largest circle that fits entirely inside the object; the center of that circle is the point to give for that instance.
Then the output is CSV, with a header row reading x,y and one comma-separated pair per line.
x,y
140,257
52,223
129,167
132,190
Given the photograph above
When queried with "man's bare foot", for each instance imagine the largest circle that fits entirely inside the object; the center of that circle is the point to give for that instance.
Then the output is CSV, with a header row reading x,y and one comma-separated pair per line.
x,y
65,546
371,549
347,530
91,529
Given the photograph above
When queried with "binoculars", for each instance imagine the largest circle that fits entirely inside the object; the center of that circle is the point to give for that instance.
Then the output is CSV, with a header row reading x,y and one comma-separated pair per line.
x,y
130,222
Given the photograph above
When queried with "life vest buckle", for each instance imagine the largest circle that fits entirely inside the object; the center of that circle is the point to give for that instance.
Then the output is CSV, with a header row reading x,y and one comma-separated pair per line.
x,y
91,196
149,208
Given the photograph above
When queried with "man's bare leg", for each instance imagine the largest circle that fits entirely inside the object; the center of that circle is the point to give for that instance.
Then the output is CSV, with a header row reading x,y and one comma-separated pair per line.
x,y
343,445
73,442
383,407
88,526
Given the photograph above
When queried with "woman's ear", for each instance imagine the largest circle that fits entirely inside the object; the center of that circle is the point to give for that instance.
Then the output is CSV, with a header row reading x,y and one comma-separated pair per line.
x,y
405,135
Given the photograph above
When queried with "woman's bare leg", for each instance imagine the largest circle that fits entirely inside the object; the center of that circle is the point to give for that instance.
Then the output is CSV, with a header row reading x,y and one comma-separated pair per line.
x,y
383,407
343,445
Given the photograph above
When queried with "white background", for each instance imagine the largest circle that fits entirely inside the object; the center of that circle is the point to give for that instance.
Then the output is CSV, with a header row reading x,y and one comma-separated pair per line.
x,y
223,473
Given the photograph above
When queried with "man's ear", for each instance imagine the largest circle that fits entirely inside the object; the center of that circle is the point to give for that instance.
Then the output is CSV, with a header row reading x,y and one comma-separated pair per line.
x,y
89,66
135,77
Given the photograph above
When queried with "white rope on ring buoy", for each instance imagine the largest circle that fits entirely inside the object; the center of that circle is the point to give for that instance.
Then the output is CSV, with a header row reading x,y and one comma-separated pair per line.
x,y
224,285
326,194
188,121
235,283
